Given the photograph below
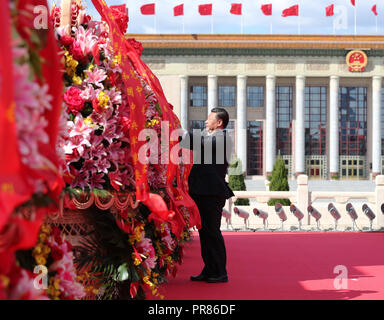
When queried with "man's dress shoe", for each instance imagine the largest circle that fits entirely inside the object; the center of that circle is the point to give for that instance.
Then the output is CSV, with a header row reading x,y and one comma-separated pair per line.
x,y
200,277
217,279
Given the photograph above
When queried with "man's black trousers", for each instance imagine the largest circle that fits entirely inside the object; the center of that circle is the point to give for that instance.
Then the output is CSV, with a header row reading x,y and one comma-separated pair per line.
x,y
211,240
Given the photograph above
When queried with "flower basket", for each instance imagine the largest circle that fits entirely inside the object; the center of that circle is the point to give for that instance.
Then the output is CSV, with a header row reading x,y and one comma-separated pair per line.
x,y
72,221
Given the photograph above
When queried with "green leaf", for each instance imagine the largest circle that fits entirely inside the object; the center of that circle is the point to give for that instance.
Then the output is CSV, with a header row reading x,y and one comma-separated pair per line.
x,y
158,109
123,273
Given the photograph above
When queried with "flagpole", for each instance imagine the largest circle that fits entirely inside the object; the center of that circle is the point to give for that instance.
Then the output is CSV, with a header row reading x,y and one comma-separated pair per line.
x,y
241,24
154,16
298,24
270,22
355,18
376,26
183,23
211,23
299,18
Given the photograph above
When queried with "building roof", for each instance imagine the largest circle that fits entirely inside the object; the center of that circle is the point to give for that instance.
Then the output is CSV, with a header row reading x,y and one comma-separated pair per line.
x,y
261,45
366,42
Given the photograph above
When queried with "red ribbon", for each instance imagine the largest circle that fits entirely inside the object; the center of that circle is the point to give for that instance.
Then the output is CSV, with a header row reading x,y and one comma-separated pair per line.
x,y
135,96
130,55
14,189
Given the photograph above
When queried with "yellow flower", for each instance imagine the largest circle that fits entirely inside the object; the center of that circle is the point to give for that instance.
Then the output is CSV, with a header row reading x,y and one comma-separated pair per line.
x,y
71,64
46,250
136,261
40,260
4,280
38,249
56,284
45,228
88,121
77,80
42,237
116,60
151,123
103,99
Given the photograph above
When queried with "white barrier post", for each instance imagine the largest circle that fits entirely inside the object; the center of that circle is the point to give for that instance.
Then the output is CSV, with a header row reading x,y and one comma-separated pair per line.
x,y
379,200
303,194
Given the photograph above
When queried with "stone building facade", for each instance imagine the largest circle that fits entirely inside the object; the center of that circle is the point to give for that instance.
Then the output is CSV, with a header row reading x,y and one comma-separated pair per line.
x,y
293,95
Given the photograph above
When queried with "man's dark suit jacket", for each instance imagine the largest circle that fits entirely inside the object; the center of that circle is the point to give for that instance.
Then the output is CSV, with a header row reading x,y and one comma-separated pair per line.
x,y
210,154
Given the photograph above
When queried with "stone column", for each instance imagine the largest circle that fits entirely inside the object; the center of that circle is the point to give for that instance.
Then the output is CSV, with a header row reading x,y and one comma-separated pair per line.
x,y
212,92
270,136
184,101
300,125
376,125
334,125
241,129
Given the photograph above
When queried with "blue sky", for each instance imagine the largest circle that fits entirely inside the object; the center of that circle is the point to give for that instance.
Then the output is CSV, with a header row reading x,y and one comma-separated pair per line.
x,y
312,18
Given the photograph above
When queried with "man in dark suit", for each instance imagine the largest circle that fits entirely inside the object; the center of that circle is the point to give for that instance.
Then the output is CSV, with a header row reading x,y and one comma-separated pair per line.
x,y
207,187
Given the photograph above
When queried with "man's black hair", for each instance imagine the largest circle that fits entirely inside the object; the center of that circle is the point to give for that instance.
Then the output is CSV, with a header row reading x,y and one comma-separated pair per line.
x,y
221,114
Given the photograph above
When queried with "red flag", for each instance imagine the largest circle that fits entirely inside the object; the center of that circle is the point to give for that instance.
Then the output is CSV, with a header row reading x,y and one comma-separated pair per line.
x,y
14,190
353,2
374,10
236,8
329,10
291,11
148,9
205,9
178,10
267,9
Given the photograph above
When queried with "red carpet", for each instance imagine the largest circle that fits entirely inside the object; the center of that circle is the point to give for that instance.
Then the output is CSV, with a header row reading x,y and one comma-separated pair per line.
x,y
280,266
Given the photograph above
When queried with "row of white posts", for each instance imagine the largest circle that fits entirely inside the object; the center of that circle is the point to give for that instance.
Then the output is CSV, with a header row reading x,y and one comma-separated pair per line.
x,y
309,210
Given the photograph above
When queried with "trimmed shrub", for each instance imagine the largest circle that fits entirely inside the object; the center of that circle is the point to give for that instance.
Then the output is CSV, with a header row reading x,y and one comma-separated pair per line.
x,y
279,181
236,182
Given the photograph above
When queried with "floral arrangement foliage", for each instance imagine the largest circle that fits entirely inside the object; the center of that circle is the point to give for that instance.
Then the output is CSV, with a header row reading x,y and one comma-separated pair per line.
x,y
97,145
54,257
35,82
129,261
130,252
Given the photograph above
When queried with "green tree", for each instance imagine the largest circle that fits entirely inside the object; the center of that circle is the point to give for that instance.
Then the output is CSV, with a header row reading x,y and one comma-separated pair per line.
x,y
236,181
279,181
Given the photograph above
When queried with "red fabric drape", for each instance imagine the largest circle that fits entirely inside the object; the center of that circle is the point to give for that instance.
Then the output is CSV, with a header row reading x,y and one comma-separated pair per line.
x,y
52,75
14,190
127,51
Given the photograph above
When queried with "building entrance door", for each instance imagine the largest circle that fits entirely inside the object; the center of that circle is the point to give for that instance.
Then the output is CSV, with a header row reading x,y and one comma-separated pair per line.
x,y
352,167
315,167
